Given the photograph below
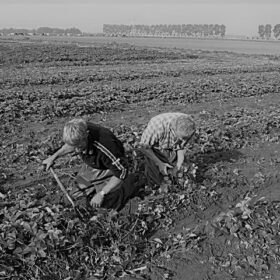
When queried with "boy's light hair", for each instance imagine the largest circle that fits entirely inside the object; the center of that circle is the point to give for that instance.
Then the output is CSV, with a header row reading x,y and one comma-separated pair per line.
x,y
183,126
75,132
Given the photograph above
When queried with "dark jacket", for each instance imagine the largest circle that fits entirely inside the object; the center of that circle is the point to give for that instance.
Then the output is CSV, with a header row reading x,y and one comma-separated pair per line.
x,y
104,151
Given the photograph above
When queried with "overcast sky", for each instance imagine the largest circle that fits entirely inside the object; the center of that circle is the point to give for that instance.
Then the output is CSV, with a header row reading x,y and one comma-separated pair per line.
x,y
241,17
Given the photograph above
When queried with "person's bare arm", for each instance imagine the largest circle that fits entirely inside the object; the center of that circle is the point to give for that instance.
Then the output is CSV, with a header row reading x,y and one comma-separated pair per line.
x,y
64,150
180,158
112,184
97,200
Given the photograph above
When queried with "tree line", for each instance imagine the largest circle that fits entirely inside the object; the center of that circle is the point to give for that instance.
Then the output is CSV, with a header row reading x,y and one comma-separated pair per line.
x,y
161,30
41,30
265,31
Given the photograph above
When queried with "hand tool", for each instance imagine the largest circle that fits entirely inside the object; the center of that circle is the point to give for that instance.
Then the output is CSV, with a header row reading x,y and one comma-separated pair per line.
x,y
67,194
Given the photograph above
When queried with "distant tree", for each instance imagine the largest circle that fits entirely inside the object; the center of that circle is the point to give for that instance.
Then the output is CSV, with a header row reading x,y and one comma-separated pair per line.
x,y
72,30
177,30
267,31
14,31
199,30
58,31
205,30
44,30
211,29
196,29
261,31
216,29
190,29
223,30
183,30
276,31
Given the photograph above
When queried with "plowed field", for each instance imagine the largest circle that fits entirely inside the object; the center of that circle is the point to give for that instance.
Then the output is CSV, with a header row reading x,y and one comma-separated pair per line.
x,y
221,221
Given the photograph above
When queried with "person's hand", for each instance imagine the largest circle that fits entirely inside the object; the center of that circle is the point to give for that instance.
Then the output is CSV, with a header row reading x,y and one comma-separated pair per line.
x,y
163,168
179,167
174,171
48,162
97,200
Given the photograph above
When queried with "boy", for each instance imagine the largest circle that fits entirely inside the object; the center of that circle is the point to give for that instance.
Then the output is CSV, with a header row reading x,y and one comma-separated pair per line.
x,y
164,144
103,178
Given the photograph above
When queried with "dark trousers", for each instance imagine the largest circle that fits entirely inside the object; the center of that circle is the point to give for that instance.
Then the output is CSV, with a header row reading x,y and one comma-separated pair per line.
x,y
90,181
119,197
152,173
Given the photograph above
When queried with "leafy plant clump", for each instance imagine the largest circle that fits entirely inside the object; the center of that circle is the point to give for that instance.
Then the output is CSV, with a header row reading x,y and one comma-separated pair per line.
x,y
38,238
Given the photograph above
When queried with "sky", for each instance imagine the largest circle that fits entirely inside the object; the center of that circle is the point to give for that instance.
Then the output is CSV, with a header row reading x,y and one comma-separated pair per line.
x,y
241,17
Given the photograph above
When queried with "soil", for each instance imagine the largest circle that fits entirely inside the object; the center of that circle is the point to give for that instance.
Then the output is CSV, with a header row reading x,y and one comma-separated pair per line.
x,y
250,164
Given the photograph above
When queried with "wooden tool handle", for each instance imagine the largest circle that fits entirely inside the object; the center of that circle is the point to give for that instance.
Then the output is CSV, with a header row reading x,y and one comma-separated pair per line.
x,y
62,187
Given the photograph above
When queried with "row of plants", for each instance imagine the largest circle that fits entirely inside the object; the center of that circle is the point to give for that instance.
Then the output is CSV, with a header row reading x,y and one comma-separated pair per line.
x,y
50,54
33,76
86,98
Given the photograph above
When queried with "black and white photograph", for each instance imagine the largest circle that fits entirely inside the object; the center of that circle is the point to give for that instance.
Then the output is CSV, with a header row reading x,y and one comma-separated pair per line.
x,y
139,140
